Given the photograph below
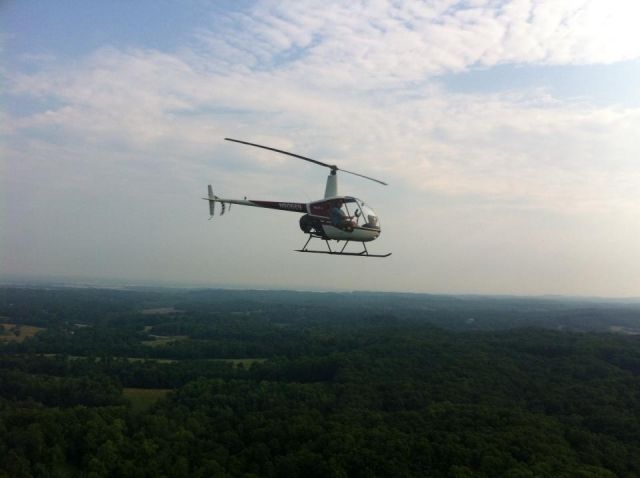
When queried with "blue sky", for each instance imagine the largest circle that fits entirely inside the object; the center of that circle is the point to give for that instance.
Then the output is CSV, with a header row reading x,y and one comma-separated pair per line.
x,y
70,28
507,132
616,84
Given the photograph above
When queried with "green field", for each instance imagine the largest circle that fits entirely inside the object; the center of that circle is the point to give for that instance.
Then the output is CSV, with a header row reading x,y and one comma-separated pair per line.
x,y
161,311
143,398
159,341
246,362
17,332
239,362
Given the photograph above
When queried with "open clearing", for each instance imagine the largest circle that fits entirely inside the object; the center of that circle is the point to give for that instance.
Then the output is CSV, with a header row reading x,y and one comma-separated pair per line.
x,y
160,340
143,398
18,332
246,362
239,362
161,311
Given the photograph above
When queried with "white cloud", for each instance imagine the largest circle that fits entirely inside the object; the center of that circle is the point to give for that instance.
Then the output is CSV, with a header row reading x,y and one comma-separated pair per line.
x,y
372,44
524,147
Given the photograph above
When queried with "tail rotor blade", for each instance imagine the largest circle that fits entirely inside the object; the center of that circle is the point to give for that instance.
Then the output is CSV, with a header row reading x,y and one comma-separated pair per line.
x,y
212,203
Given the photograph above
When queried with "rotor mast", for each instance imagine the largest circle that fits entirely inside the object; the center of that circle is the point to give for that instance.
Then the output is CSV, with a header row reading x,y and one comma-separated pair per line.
x,y
331,189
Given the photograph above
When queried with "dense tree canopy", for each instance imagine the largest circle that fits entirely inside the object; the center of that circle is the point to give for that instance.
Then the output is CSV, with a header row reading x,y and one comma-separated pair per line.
x,y
292,386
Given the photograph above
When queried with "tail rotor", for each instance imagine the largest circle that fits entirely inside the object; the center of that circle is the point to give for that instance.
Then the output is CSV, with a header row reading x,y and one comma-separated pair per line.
x,y
212,203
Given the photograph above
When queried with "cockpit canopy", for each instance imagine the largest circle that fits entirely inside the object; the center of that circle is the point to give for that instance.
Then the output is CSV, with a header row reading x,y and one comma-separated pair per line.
x,y
368,215
350,208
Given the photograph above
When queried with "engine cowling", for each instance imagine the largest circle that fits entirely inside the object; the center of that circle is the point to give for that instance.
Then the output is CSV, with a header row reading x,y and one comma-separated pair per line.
x,y
311,225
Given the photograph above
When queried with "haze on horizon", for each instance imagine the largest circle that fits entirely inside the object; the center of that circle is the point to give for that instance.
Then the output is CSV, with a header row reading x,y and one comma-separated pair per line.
x,y
507,130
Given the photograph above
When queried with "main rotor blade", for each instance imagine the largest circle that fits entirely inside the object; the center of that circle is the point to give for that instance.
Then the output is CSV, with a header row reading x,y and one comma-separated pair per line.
x,y
333,167
363,176
330,166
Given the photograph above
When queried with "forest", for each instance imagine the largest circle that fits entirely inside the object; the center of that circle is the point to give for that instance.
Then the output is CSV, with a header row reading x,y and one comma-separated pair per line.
x,y
137,382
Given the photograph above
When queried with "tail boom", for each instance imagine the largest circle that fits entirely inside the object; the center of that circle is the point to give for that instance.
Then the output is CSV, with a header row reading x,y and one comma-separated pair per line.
x,y
282,206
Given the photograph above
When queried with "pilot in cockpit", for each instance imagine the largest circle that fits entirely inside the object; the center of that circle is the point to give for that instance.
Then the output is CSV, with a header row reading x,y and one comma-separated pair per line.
x,y
339,217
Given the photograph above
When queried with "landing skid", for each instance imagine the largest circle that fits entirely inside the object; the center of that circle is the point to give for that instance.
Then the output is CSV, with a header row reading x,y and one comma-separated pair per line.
x,y
363,253
335,253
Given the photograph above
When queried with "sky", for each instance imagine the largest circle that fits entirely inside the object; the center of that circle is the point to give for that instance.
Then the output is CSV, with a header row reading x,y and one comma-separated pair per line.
x,y
507,131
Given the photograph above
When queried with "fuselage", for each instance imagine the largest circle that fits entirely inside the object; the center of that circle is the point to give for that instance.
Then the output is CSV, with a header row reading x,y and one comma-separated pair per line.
x,y
340,218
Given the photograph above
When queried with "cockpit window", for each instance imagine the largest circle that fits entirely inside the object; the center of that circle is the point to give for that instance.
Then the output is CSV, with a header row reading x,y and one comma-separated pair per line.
x,y
367,216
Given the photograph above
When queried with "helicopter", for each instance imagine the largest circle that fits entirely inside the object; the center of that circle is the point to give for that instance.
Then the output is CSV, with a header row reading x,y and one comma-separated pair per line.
x,y
333,218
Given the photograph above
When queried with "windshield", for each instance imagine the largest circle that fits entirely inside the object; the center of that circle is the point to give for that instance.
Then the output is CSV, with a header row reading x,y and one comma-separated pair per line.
x,y
367,217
